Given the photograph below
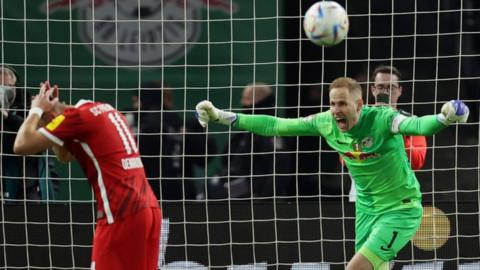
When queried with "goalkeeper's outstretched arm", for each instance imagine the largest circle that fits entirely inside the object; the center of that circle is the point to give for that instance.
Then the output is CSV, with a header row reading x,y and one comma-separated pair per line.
x,y
454,111
264,125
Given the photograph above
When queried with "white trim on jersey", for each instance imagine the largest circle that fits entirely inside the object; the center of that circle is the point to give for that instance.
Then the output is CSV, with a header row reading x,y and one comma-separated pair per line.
x,y
396,122
50,136
101,185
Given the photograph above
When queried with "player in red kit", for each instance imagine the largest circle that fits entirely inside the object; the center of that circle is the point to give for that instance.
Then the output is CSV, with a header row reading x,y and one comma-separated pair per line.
x,y
127,235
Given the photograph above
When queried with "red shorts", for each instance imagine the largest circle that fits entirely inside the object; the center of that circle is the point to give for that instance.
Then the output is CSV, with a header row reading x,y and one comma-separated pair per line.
x,y
131,244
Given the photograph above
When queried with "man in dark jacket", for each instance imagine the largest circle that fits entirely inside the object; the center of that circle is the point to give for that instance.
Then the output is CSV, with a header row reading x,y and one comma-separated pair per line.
x,y
252,160
170,147
31,179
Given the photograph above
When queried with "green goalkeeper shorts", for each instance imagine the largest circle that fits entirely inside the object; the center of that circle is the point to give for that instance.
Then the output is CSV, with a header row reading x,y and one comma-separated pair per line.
x,y
380,237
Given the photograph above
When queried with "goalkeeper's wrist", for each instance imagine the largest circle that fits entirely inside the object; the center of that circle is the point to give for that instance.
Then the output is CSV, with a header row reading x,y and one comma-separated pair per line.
x,y
226,117
442,119
36,110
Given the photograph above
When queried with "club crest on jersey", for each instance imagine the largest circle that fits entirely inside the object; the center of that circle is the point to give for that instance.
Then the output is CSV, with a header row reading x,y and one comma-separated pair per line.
x,y
150,31
367,142
55,122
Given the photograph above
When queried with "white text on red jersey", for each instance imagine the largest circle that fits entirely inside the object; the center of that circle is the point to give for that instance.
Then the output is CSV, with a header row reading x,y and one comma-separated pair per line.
x,y
101,108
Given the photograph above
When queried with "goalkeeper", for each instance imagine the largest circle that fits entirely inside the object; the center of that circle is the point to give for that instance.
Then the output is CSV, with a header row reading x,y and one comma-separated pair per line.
x,y
388,207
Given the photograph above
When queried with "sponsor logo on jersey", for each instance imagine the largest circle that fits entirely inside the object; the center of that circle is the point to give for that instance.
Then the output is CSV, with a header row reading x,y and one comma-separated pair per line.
x,y
55,122
357,153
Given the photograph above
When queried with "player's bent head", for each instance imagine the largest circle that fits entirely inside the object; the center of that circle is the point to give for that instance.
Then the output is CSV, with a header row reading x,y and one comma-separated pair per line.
x,y
352,85
57,109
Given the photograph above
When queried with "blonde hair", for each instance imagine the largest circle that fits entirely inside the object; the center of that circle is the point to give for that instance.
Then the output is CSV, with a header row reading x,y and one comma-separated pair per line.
x,y
352,85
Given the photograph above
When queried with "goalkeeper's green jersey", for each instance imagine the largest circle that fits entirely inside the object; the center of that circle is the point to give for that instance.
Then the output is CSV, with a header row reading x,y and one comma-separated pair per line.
x,y
373,151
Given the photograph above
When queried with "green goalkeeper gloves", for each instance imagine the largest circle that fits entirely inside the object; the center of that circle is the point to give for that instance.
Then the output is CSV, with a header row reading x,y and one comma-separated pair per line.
x,y
452,112
206,112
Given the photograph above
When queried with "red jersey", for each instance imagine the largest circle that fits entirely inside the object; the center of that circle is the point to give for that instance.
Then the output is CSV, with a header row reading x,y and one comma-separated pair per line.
x,y
98,136
416,149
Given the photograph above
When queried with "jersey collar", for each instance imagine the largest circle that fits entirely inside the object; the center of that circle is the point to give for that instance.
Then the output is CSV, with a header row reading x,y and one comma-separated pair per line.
x,y
81,102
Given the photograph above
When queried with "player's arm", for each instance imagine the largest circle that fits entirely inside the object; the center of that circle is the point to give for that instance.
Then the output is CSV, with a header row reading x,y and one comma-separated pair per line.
x,y
62,154
267,125
416,149
264,125
452,112
29,140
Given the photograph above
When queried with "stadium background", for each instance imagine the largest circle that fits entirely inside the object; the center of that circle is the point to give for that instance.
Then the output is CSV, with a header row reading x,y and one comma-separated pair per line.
x,y
435,43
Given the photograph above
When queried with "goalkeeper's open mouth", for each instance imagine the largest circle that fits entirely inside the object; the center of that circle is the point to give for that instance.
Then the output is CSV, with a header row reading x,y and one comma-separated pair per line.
x,y
341,123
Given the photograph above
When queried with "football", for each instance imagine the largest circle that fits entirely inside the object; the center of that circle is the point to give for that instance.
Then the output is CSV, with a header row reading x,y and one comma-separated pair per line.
x,y
326,23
